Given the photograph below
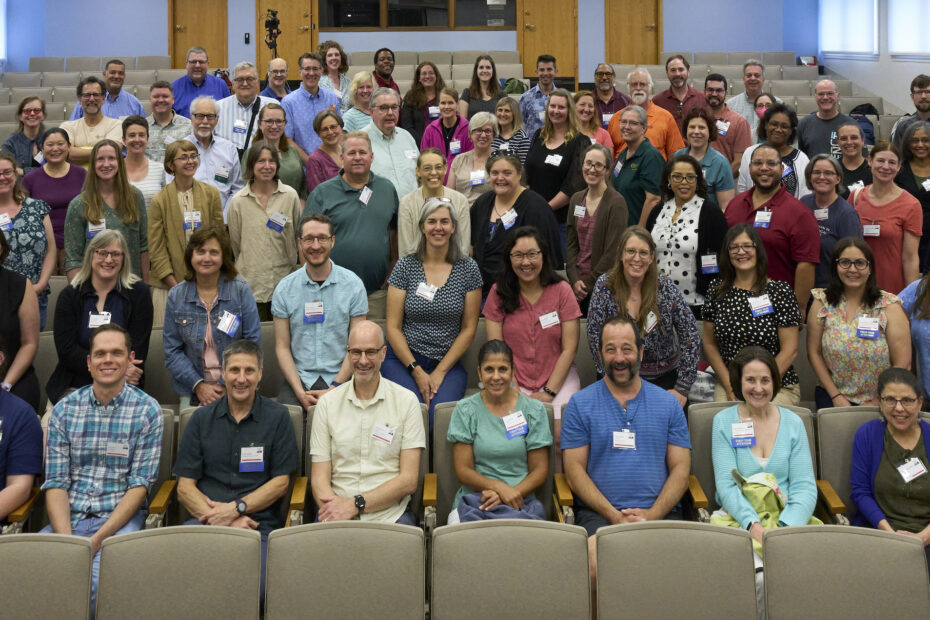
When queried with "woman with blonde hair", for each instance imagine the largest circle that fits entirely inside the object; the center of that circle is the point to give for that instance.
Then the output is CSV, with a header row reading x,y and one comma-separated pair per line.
x,y
590,126
511,138
358,116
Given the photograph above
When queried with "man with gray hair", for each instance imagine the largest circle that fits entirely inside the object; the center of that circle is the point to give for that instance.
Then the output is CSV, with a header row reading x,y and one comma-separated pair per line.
x,y
238,113
394,148
219,159
277,87
744,103
197,83
118,103
817,130
662,129
302,106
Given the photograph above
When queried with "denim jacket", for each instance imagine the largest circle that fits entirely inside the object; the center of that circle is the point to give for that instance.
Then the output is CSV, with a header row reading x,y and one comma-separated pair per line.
x,y
186,326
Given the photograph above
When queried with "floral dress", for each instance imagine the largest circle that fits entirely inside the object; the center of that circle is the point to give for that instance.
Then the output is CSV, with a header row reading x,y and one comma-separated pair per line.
x,y
27,239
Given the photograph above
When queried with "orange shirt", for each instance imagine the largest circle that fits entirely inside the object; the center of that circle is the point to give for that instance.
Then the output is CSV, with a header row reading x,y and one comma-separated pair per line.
x,y
662,132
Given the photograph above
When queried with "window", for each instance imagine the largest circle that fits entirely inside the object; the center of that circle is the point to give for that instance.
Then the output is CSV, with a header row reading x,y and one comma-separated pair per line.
x,y
849,27
908,20
414,14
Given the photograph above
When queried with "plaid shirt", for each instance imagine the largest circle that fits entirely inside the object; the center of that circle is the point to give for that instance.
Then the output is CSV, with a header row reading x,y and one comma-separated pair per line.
x,y
83,454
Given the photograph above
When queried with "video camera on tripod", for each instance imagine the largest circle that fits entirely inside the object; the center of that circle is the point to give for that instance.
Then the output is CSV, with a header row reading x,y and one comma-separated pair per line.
x,y
272,25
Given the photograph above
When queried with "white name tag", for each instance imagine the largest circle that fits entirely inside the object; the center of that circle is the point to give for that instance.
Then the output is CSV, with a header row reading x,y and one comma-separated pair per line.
x,y
744,435
624,440
384,434
761,305
365,195
5,222
455,147
926,185
872,230
651,321
911,469
221,175
618,167
476,177
97,319
239,127
433,111
763,219
605,118
786,171
118,448
505,146
277,221
93,229
709,264
39,158
821,214
580,211
857,185
229,324
252,458
553,160
509,218
192,220
541,115
515,425
313,312
867,327
411,153
549,320
722,127
426,291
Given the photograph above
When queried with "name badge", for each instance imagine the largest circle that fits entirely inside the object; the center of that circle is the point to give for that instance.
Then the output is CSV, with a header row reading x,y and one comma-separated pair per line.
x,y
192,220
93,229
860,184
541,115
221,175
926,185
553,160
744,436
872,230
605,119
426,291
624,440
786,172
433,111
476,177
229,324
821,214
867,327
761,306
709,264
722,127
365,195
549,320
911,469
580,211
411,153
593,140
97,319
252,458
455,147
313,312
39,158
763,219
5,222
118,448
509,218
618,167
651,321
239,127
384,434
515,425
505,146
277,221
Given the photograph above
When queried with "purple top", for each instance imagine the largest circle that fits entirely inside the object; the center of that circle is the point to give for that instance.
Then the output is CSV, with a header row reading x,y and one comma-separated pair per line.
x,y
58,193
320,167
432,136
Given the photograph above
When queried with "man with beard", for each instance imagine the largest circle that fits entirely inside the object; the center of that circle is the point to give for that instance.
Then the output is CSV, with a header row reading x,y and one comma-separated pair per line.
x,y
789,231
920,95
118,103
680,97
733,136
313,310
533,102
85,132
609,100
662,130
219,158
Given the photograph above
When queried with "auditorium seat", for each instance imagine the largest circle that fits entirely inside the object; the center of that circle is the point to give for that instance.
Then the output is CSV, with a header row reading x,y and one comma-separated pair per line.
x,y
805,105
129,61
153,62
664,56
848,103
733,73
465,57
789,88
844,87
61,79
505,57
710,58
45,576
441,58
45,362
5,95
157,377
8,113
506,71
403,58
7,130
65,94
364,58
786,59
142,91
170,75
83,63
403,72
46,63
15,80
886,124
738,58
799,72
462,72
160,493
272,378
143,76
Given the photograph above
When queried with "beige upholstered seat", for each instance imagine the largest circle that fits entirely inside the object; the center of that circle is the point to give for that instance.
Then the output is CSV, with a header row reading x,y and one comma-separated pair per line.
x,y
45,576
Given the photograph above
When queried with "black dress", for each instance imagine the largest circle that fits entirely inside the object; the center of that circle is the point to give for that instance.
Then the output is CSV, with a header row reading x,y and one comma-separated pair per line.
x,y
12,289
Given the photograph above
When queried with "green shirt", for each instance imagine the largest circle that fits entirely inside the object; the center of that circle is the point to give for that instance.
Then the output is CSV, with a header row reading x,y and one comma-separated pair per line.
x,y
76,239
291,171
640,174
906,504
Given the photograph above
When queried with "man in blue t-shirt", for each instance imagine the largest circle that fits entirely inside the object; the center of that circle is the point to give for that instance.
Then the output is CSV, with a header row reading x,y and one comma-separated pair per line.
x,y
20,449
626,450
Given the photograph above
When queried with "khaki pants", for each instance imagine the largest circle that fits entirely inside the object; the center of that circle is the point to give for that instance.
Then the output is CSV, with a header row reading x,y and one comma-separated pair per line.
x,y
787,395
377,305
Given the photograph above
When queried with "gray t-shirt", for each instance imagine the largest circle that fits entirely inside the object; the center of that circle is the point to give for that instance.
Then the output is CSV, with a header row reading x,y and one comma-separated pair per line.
x,y
816,135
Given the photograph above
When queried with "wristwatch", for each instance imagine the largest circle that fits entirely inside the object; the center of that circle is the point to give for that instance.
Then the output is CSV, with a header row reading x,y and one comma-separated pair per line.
x,y
412,366
360,504
546,389
241,506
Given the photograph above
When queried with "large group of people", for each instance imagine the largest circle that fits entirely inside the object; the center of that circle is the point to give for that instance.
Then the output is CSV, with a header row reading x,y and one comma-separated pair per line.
x,y
341,203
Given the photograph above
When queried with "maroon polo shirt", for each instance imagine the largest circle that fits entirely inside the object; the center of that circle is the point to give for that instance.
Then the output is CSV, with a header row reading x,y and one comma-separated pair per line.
x,y
613,105
668,101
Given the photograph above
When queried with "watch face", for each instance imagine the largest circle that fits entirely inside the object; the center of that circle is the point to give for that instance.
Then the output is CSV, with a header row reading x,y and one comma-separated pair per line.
x,y
241,506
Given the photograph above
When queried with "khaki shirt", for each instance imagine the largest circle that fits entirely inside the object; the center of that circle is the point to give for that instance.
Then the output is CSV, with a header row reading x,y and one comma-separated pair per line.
x,y
83,135
408,220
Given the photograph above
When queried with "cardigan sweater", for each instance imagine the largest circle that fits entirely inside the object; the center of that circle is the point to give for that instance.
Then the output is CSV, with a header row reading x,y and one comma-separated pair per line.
x,y
609,224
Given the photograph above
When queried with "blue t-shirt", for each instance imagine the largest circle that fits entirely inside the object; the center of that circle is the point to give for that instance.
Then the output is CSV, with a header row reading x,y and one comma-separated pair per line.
x,y
627,478
20,438
841,221
920,333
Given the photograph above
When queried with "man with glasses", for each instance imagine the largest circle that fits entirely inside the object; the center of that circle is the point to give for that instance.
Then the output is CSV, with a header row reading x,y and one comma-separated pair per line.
x,y
788,229
609,100
118,103
93,127
817,130
661,128
366,440
394,148
733,135
314,308
920,95
277,87
219,158
197,83
302,106
680,96
165,125
238,113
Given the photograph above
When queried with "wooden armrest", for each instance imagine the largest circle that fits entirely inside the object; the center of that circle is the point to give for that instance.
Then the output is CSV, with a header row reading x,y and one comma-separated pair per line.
x,y
299,494
832,501
20,513
698,498
563,492
160,501
430,481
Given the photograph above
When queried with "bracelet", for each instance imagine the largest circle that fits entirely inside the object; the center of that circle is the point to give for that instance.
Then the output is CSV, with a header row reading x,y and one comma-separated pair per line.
x,y
335,384
6,386
546,389
834,396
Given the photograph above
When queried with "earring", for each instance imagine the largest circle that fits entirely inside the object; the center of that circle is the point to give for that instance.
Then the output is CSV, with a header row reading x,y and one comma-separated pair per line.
x,y
481,385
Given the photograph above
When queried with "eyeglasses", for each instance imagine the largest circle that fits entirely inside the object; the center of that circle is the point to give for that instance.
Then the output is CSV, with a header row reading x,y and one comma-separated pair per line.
x,y
708,89
330,128
736,248
9,172
860,263
678,178
245,80
357,353
429,169
907,402
32,111
625,123
104,254
277,121
186,158
197,63
518,257
596,166
603,74
278,72
630,253
485,131
91,95
321,239
823,173
204,117
829,93
384,109
922,91
920,140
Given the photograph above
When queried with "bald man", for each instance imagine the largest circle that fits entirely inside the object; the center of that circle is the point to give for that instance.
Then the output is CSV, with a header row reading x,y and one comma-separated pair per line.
x,y
817,130
277,80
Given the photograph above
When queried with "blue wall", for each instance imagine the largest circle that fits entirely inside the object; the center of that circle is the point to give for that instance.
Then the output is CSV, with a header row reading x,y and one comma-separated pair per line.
x,y
25,33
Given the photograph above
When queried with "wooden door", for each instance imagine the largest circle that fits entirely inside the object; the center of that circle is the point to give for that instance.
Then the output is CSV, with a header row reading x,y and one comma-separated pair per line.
x,y
634,31
298,33
548,27
200,23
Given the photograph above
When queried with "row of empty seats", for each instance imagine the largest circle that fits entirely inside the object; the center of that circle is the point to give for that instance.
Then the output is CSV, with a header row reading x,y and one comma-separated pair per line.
x,y
491,569
61,94
95,63
732,58
731,72
71,78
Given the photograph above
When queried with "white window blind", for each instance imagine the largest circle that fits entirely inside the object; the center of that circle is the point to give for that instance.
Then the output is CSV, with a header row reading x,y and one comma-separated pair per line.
x,y
849,27
908,27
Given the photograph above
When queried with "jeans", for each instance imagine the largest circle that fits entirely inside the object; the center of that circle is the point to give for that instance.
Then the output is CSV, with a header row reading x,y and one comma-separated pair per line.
x,y
451,389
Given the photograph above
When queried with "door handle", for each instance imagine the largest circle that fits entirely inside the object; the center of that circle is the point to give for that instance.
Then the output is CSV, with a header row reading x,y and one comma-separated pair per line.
x,y
529,26
651,27
178,28
303,28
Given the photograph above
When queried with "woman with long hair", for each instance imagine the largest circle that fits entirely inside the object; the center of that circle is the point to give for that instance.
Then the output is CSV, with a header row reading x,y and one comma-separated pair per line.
x,y
335,65
25,143
272,119
484,90
421,103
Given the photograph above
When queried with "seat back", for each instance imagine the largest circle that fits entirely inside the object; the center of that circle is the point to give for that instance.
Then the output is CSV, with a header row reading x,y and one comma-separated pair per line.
x,y
18,93
170,75
346,552
27,79
272,377
738,58
478,569
46,63
710,58
157,376
664,56
147,574
140,76
90,64
447,481
45,362
798,561
153,62
169,450
61,79
778,58
45,576
510,57
56,285
630,578
836,427
700,426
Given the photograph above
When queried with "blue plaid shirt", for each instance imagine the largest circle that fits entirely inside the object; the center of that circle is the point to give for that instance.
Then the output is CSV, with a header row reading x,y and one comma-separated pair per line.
x,y
86,449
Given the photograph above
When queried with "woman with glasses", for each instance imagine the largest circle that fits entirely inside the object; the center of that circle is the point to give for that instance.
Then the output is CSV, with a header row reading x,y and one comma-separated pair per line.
x,y
688,230
743,307
835,217
854,330
890,459
421,103
449,133
778,127
271,122
25,143
700,130
638,170
431,170
145,175
636,288
325,162
468,175
595,225
913,178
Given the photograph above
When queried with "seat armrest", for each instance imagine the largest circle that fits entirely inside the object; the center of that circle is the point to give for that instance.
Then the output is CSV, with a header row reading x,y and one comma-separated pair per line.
x,y
21,513
830,498
430,481
163,497
563,492
299,493
696,491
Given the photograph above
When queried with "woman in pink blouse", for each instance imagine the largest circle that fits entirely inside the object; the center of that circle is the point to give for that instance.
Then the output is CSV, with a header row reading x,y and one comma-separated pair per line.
x,y
449,132
324,163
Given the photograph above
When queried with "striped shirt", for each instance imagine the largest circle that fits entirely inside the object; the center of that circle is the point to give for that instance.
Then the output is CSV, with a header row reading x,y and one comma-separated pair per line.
x,y
231,112
97,452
